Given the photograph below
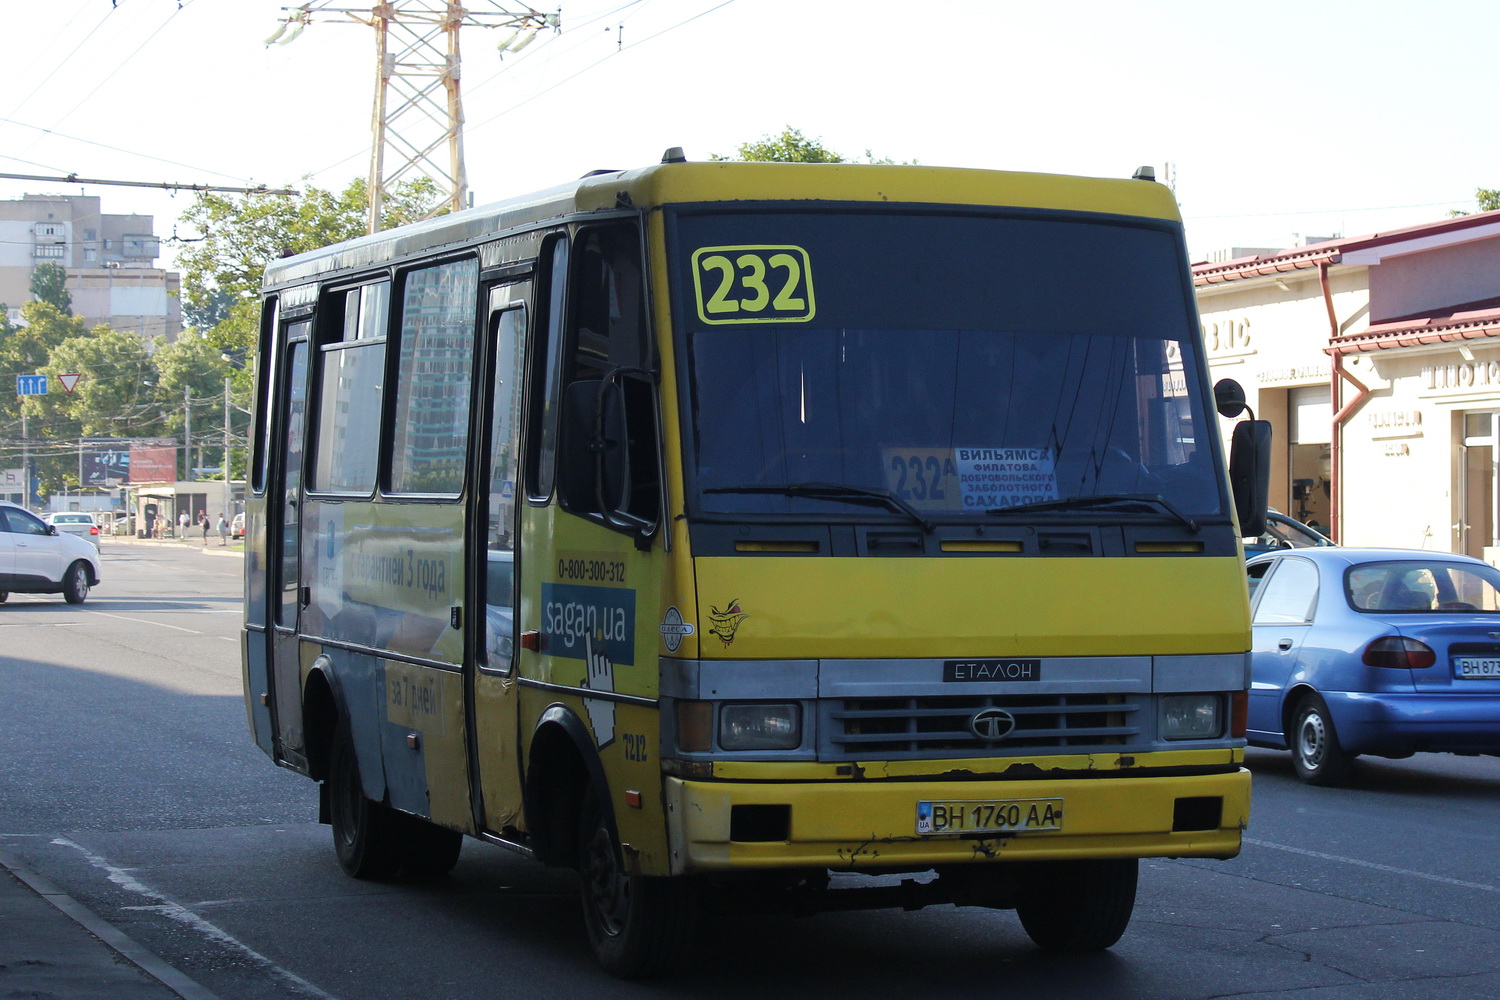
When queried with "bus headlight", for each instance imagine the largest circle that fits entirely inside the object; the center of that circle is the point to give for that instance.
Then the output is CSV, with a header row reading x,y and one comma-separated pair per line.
x,y
1191,716
755,726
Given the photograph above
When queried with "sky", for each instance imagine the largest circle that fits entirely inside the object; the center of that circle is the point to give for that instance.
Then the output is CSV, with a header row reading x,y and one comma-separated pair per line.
x,y
1272,120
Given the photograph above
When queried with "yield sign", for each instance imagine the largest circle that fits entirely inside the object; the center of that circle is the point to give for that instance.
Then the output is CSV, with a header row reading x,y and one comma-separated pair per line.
x,y
69,381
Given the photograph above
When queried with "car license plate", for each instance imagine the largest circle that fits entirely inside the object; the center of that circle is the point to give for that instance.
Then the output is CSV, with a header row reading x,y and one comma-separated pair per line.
x,y
989,816
1476,667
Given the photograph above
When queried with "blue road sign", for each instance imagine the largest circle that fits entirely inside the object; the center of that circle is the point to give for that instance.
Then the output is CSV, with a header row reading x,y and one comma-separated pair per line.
x,y
31,385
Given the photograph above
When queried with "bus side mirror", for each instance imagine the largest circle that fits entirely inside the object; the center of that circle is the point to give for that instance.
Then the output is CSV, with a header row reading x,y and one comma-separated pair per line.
x,y
1250,474
1229,398
608,465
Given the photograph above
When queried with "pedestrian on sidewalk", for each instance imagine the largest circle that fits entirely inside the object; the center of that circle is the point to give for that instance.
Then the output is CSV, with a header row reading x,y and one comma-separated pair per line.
x,y
223,530
182,524
203,523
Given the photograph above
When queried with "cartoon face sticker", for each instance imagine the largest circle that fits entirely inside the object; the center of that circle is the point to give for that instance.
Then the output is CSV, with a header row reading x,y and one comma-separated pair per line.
x,y
726,623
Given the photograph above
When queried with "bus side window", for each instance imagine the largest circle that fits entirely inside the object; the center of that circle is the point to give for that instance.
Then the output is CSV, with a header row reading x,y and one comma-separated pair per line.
x,y
265,382
435,362
609,466
546,373
351,358
509,339
609,319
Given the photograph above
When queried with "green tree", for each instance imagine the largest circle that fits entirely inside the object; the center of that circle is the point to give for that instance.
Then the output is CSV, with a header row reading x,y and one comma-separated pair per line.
x,y
49,284
213,310
192,380
1488,199
791,146
222,271
25,349
51,429
119,392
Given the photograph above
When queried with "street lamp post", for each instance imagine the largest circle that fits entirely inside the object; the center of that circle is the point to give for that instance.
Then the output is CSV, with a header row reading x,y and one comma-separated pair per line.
x,y
187,434
228,510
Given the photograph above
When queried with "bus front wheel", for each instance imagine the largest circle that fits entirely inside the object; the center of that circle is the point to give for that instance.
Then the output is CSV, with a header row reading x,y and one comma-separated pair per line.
x,y
363,834
1077,905
638,926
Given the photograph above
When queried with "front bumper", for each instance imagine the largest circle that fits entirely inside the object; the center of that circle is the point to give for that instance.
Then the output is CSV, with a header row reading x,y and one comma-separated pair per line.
x,y
872,825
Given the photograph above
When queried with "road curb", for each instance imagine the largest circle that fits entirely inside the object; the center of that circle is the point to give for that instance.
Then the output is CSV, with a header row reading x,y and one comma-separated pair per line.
x,y
212,547
127,947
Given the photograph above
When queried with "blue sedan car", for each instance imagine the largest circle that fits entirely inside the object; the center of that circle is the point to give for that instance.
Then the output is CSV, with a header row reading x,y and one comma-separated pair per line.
x,y
1387,652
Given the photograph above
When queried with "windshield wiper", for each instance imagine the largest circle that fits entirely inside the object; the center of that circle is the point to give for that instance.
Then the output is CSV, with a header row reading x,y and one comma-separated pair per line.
x,y
837,491
1100,500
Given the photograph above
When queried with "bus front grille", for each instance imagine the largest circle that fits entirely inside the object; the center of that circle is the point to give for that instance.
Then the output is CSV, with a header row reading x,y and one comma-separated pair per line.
x,y
861,728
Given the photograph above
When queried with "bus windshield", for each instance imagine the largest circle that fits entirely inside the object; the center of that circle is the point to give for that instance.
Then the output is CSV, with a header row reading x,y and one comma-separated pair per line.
x,y
1002,362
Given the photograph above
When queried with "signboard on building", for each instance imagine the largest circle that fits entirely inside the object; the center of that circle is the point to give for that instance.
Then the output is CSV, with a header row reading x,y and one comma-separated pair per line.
x,y
106,467
152,464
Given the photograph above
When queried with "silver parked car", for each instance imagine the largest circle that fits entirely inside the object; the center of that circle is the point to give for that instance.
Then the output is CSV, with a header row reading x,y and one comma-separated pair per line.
x,y
35,558
79,523
1388,652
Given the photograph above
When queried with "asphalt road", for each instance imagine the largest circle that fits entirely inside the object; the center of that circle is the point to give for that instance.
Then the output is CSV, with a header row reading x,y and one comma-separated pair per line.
x,y
128,777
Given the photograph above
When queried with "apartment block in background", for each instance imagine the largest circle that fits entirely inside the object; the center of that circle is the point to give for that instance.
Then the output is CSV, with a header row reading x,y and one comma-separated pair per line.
x,y
110,262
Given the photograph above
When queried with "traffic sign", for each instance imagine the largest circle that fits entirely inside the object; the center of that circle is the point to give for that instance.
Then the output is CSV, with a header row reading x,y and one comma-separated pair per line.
x,y
69,381
31,385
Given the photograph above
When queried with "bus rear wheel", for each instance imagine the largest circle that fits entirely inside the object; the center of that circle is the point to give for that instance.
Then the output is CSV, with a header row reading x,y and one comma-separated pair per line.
x,y
638,926
364,835
1077,905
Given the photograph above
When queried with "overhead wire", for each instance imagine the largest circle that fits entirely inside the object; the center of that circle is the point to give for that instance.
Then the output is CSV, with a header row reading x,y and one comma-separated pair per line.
x,y
115,149
10,119
599,62
64,61
119,66
546,51
33,163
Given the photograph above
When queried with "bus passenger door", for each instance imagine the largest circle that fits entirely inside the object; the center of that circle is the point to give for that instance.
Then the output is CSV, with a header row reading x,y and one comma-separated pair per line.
x,y
494,557
283,547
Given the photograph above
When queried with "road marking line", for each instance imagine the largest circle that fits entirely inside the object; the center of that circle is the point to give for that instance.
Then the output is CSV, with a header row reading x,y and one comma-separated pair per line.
x,y
146,621
176,911
147,961
1374,865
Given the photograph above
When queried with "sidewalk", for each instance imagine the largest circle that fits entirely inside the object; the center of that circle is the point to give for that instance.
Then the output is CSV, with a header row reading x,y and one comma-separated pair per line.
x,y
52,946
234,548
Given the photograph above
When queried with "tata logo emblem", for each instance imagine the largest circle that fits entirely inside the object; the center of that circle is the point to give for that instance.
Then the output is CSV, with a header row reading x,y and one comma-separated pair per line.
x,y
992,724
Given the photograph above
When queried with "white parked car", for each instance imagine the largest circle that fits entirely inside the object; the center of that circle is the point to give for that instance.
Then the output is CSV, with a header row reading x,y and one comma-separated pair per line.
x,y
37,558
78,523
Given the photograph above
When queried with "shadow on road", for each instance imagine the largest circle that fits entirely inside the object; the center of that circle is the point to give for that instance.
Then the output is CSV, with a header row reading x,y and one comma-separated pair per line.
x,y
1424,775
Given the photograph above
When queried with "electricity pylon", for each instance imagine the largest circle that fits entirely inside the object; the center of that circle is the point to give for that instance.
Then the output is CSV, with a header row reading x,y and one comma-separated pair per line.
x,y
418,114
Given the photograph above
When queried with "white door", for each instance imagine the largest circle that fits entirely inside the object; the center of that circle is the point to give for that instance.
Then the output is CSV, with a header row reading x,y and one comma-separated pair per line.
x,y
7,550
38,553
